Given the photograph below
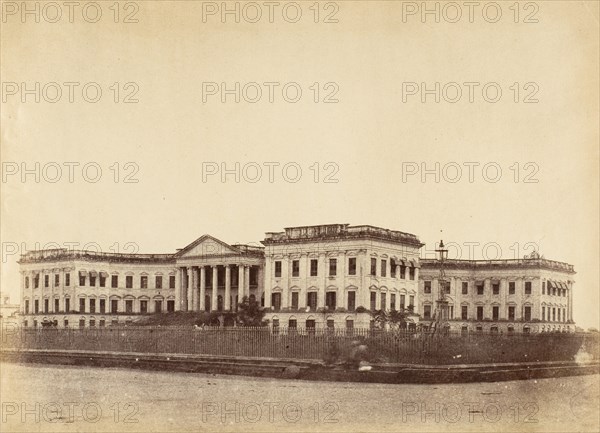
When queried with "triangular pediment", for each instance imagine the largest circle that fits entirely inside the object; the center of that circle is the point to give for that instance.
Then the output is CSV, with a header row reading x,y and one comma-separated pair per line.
x,y
206,246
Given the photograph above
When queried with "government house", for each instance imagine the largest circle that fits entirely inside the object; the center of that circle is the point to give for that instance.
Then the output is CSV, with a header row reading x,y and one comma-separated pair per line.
x,y
305,277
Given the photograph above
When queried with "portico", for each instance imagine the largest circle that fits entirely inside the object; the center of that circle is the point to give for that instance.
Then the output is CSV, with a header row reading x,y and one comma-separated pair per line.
x,y
215,276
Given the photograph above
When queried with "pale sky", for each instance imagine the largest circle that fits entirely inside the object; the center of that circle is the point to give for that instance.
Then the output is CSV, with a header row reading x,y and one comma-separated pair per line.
x,y
370,135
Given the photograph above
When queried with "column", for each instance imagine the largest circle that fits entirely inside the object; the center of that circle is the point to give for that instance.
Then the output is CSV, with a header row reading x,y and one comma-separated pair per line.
x,y
285,285
322,272
182,289
268,280
241,283
247,280
342,271
503,296
570,299
227,288
261,283
194,288
189,288
202,288
177,291
215,276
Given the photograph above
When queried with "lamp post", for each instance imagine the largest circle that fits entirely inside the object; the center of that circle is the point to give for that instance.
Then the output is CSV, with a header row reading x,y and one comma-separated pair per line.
x,y
441,316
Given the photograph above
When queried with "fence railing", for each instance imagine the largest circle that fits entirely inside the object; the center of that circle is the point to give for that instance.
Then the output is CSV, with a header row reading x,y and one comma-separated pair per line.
x,y
331,345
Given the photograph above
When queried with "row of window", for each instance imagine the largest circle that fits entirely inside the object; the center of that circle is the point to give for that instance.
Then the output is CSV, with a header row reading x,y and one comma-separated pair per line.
x,y
464,312
314,268
101,281
480,288
331,300
114,306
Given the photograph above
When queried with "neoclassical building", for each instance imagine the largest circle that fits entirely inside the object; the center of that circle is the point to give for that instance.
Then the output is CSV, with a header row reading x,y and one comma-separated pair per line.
x,y
315,276
532,294
329,275
85,288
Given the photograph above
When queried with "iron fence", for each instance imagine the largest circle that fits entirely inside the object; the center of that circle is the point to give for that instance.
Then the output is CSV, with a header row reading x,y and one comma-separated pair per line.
x,y
331,345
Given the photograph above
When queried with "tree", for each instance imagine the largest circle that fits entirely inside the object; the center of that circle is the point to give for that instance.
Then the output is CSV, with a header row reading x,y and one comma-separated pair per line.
x,y
250,313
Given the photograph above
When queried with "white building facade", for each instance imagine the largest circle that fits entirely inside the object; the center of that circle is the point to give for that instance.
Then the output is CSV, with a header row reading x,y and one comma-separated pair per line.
x,y
532,294
332,275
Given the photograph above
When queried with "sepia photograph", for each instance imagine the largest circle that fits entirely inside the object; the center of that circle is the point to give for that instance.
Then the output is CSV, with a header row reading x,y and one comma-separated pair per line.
x,y
299,216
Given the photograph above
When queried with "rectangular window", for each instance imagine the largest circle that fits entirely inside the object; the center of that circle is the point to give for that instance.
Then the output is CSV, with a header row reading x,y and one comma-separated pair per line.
x,y
383,303
373,301
330,300
27,307
351,301
276,301
402,272
143,307
292,324
402,301
102,306
27,282
46,280
464,312
36,306
373,266
553,314
158,306
411,300
527,312
332,267
129,306
427,311
496,288
278,269
295,296
411,273
67,305
56,305
129,282
311,300
92,306
479,288
465,288
171,281
92,281
158,281
511,313
114,306
528,287
102,278
56,280
144,282
495,312
36,281
46,305
543,287
393,302
384,268
82,305
295,268
558,314
170,306
511,288
479,313
352,266
67,279
427,287
314,267
543,313
114,281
